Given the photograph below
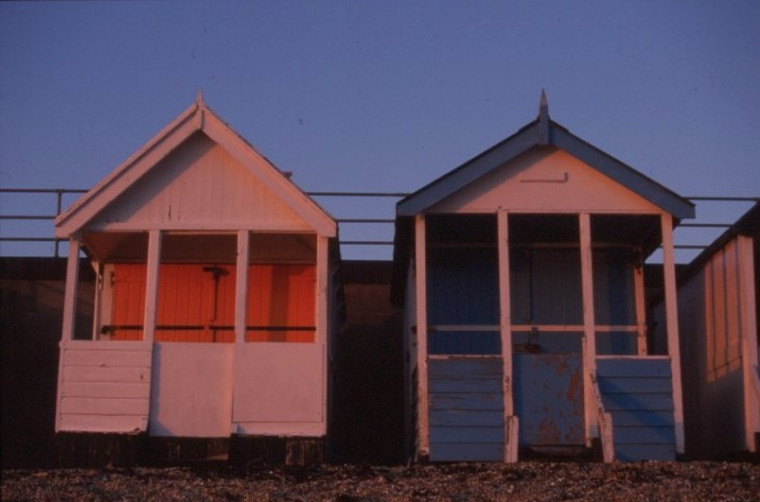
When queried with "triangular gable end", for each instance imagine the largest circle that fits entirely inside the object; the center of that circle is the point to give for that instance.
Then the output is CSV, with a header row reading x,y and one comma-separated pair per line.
x,y
545,180
200,138
543,133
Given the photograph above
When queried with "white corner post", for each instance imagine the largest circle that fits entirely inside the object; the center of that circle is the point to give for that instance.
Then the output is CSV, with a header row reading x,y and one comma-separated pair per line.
x,y
151,285
241,285
749,339
671,323
321,312
589,331
70,294
505,328
423,418
69,318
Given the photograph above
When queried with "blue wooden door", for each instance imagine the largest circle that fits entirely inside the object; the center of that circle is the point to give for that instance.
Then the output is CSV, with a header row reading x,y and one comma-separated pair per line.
x,y
548,393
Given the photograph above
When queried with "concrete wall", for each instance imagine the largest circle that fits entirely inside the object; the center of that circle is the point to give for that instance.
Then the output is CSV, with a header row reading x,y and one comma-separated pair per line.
x,y
31,303
366,425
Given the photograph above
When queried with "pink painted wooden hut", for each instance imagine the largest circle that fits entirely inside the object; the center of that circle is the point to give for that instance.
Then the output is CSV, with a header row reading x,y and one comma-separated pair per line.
x,y
521,276
212,311
718,313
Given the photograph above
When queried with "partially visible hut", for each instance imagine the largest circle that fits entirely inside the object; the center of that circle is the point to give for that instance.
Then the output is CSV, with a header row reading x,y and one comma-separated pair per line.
x,y
718,313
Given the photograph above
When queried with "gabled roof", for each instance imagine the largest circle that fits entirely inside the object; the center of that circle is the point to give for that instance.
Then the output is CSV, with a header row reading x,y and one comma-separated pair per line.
x,y
544,132
198,117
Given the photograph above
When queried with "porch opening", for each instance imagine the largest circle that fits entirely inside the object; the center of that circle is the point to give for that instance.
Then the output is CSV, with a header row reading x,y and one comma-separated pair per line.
x,y
197,287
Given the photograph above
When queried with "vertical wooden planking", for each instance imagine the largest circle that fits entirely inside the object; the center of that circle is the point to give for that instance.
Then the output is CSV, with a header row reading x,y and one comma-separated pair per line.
x,y
747,301
671,316
151,285
733,305
719,319
423,419
241,284
709,305
589,333
128,299
505,325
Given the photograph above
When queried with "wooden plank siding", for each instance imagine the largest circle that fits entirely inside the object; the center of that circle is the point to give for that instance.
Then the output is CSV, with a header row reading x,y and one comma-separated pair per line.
x,y
466,409
718,318
105,386
280,295
638,393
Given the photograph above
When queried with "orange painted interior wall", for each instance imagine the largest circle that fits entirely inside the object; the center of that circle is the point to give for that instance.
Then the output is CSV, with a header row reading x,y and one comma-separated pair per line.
x,y
280,296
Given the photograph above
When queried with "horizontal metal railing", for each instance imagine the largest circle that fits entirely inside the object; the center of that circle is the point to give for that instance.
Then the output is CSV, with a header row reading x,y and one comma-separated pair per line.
x,y
59,193
380,221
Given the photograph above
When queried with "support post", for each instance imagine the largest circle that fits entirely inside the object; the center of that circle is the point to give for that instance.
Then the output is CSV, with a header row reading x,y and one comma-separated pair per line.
x,y
671,322
589,332
151,285
241,285
640,300
423,419
505,328
70,294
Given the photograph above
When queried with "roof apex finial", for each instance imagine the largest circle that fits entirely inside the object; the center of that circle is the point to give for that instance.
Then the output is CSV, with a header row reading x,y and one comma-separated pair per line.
x,y
199,97
543,120
543,106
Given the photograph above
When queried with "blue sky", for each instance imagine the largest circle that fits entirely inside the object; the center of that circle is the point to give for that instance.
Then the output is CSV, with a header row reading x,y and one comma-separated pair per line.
x,y
371,95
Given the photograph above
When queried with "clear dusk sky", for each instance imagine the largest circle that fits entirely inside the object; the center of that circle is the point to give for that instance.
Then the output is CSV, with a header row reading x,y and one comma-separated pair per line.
x,y
384,95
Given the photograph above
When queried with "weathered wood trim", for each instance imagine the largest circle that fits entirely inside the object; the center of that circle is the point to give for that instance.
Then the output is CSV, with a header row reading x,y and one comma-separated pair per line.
x,y
502,226
512,439
748,323
241,285
640,301
605,422
151,285
589,333
423,418
671,318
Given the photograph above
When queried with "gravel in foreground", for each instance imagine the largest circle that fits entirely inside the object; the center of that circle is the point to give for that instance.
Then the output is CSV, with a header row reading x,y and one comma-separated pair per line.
x,y
524,481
